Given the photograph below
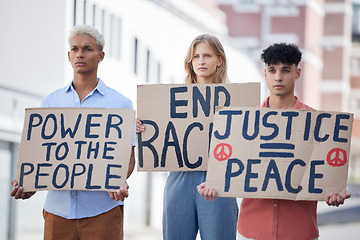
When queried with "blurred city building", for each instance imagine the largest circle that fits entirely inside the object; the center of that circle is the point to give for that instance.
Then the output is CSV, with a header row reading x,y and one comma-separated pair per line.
x,y
354,96
328,33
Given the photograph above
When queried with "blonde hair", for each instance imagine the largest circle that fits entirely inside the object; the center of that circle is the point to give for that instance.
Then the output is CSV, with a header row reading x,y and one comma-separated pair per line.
x,y
214,43
88,30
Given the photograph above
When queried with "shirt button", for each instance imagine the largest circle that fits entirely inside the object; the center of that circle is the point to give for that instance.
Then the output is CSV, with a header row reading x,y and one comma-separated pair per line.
x,y
275,205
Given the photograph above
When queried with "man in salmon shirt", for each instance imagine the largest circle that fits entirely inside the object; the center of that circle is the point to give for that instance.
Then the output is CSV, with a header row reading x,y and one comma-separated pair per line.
x,y
279,219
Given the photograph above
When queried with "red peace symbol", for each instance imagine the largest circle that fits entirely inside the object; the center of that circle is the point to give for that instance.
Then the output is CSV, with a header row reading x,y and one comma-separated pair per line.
x,y
222,151
338,159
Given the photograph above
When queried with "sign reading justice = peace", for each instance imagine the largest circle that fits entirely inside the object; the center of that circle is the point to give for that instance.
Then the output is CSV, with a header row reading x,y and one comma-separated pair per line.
x,y
276,153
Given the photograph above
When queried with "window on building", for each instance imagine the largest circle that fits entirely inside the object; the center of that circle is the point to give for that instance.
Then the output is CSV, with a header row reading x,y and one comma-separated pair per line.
x,y
103,21
118,35
111,38
246,2
283,2
81,12
355,65
147,66
247,6
356,23
159,73
268,2
135,54
107,28
74,22
84,8
94,15
115,37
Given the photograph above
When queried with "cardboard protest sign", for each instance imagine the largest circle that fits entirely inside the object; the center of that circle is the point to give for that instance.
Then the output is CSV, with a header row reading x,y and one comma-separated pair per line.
x,y
274,153
75,148
178,122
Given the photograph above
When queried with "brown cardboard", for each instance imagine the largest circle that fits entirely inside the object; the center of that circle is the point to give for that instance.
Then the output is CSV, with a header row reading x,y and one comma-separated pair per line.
x,y
50,160
292,164
177,136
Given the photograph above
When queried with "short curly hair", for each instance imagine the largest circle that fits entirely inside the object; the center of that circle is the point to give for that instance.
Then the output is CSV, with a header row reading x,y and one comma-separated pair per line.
x,y
281,53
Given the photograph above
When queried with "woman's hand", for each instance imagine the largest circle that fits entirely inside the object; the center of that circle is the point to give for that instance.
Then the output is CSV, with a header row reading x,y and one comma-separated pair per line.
x,y
207,193
139,126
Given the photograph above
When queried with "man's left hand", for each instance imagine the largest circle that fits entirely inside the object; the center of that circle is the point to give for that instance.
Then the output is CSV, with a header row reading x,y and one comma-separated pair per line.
x,y
120,194
336,200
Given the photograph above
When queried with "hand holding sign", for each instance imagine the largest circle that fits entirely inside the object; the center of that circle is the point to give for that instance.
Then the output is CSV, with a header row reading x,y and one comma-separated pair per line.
x,y
120,194
336,200
139,126
18,192
207,193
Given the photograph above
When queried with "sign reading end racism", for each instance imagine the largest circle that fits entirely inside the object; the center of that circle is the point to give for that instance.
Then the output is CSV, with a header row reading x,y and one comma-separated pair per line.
x,y
274,153
75,148
178,121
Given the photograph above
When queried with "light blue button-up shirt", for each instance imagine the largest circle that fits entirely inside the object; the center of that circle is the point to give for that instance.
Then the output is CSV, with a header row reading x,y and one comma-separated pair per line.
x,y
80,204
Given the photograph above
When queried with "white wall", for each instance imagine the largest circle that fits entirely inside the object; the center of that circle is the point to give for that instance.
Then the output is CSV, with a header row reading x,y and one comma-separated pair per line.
x,y
31,45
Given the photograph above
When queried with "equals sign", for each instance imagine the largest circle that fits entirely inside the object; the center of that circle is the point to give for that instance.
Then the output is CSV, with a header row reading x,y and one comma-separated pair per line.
x,y
276,146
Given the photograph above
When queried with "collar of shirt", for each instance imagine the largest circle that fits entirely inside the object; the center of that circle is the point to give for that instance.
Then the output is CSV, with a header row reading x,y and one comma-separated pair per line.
x,y
298,104
100,87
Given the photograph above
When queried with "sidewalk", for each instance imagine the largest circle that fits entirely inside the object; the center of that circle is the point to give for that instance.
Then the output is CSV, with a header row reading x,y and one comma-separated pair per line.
x,y
334,223
340,222
142,233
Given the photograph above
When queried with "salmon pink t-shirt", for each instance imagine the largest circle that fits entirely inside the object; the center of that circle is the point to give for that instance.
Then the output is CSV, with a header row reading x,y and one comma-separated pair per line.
x,y
277,219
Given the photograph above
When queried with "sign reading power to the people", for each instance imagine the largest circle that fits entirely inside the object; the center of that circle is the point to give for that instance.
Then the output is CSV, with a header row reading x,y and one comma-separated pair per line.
x,y
273,153
75,148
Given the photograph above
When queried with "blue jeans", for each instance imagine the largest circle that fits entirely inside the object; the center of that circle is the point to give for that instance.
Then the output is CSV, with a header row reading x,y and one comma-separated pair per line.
x,y
186,212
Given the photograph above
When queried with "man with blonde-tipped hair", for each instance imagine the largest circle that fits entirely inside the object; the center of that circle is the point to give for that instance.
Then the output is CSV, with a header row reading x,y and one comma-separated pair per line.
x,y
84,214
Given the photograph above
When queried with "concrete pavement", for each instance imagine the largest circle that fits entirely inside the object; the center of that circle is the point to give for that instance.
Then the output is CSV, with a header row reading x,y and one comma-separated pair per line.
x,y
340,222
334,223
